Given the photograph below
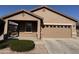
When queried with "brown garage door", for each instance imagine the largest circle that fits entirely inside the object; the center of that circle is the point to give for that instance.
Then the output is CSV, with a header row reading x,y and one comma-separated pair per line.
x,y
56,31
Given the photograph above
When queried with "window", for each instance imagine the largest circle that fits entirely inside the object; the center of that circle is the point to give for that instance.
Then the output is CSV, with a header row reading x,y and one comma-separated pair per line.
x,y
54,26
50,25
58,26
22,27
28,27
65,26
47,25
43,26
69,26
61,26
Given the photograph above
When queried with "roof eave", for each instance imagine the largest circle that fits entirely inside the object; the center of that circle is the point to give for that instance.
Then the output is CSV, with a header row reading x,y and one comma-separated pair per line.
x,y
17,12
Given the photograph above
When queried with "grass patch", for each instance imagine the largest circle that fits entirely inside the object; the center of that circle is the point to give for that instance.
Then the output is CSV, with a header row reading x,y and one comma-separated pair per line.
x,y
17,45
21,45
3,44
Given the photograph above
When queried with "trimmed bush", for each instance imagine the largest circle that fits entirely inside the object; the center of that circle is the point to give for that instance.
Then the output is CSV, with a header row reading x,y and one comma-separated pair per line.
x,y
17,45
3,44
21,45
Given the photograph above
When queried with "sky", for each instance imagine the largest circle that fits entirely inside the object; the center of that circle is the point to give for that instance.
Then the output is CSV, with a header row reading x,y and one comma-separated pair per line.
x,y
69,10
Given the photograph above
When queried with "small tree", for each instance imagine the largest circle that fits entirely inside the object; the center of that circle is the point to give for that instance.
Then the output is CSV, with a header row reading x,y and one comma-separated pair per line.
x,y
2,23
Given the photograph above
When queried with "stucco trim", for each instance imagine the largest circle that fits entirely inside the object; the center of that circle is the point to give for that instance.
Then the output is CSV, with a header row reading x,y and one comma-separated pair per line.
x,y
57,24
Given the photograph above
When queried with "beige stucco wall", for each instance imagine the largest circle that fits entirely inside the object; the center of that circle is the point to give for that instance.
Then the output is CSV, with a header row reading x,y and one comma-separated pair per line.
x,y
27,34
26,17
56,19
51,17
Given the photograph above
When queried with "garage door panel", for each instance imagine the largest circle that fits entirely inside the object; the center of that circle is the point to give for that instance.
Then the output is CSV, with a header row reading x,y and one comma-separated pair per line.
x,y
49,32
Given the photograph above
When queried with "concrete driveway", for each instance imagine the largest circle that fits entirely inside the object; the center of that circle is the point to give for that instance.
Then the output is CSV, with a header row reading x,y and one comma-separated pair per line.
x,y
62,46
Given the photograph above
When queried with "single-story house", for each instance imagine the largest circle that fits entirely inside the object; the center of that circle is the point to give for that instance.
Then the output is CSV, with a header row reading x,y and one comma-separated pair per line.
x,y
41,22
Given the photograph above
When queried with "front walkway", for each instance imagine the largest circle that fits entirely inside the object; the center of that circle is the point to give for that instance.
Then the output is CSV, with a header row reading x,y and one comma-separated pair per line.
x,y
62,46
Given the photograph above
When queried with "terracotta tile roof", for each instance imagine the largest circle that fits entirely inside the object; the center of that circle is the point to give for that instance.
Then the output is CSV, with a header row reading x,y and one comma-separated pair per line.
x,y
62,14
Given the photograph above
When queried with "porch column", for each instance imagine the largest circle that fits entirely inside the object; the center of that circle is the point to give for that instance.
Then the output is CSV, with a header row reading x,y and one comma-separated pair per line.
x,y
5,27
39,36
74,33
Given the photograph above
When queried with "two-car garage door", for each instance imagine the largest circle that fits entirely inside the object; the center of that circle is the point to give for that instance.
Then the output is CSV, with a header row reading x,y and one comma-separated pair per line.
x,y
56,31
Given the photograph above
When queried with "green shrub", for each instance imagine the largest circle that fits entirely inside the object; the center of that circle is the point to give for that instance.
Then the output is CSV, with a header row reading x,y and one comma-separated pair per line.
x,y
17,45
21,45
3,44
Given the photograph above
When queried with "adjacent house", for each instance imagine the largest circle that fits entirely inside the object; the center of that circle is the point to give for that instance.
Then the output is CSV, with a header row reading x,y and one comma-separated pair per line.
x,y
41,22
